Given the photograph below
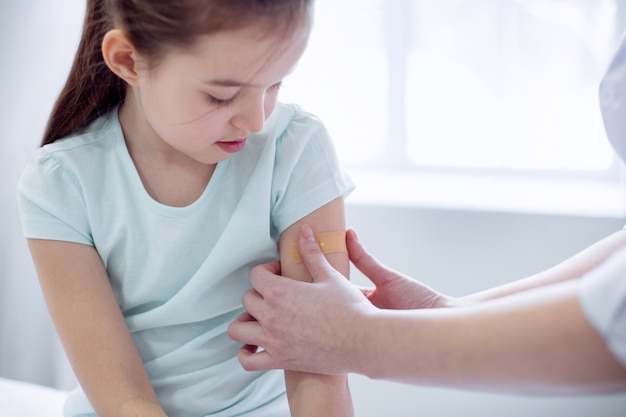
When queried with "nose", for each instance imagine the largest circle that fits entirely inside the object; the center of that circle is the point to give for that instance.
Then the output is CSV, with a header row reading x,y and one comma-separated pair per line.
x,y
250,115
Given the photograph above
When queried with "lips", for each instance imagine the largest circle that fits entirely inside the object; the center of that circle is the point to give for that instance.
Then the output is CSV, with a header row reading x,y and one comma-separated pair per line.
x,y
232,146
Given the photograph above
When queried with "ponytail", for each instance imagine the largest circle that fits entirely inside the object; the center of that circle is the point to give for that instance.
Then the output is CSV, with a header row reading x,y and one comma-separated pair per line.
x,y
91,88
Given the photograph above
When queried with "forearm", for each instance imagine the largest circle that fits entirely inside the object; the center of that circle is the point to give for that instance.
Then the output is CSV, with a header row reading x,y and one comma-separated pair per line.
x,y
112,375
107,364
538,342
312,395
93,331
572,268
318,395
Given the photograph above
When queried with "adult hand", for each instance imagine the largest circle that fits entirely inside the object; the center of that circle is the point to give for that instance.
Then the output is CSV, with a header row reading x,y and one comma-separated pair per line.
x,y
393,291
307,326
300,326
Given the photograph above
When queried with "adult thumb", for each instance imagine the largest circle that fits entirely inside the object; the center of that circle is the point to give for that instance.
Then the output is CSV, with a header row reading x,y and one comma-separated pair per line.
x,y
365,262
312,257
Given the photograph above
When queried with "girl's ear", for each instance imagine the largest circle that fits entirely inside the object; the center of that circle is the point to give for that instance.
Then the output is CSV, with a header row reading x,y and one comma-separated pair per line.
x,y
120,55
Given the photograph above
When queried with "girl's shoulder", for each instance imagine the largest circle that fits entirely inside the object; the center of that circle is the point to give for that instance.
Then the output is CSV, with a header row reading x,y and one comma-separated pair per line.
x,y
291,115
291,123
99,133
81,153
286,132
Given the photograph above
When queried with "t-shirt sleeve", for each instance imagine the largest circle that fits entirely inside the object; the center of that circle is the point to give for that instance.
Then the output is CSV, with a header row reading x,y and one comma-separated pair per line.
x,y
307,174
50,202
602,297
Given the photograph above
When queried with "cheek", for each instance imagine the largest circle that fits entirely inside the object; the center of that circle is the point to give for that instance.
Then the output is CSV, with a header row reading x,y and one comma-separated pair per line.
x,y
210,125
183,133
181,117
206,128
171,101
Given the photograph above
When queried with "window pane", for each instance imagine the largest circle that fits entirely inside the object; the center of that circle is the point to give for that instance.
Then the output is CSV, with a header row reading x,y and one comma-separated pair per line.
x,y
342,77
513,84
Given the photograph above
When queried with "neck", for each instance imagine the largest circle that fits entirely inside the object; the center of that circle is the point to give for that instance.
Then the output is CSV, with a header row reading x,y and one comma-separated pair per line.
x,y
168,176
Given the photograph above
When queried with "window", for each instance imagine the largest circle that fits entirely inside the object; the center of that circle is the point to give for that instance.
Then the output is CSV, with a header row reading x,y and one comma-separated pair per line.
x,y
481,87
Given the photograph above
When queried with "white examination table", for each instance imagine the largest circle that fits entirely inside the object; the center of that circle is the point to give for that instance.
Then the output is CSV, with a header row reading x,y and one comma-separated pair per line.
x,y
21,399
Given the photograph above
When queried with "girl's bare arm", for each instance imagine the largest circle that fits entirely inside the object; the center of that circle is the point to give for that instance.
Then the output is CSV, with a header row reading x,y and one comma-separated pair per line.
x,y
92,329
313,394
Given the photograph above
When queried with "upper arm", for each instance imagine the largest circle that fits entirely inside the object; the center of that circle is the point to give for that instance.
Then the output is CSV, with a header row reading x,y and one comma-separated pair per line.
x,y
75,286
328,218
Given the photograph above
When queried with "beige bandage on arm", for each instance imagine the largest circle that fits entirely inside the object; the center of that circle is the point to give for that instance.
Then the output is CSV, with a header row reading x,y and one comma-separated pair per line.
x,y
330,242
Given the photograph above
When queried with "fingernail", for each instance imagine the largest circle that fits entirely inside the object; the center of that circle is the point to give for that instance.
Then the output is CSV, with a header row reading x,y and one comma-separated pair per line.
x,y
307,233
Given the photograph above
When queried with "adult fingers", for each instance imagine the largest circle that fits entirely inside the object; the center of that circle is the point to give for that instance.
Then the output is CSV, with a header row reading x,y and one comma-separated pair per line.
x,y
261,275
365,262
253,360
245,317
245,329
253,302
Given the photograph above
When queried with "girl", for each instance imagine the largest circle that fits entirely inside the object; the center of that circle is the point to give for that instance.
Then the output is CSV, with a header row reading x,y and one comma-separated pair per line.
x,y
168,170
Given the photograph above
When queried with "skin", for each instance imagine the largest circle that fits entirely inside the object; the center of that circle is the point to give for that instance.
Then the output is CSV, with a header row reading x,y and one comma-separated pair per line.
x,y
174,117
528,337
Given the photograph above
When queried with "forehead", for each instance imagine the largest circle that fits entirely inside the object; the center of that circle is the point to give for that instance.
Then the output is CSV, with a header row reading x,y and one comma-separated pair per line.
x,y
252,55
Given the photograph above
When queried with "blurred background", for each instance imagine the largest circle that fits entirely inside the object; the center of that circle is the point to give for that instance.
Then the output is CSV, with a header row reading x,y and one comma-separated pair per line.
x,y
471,129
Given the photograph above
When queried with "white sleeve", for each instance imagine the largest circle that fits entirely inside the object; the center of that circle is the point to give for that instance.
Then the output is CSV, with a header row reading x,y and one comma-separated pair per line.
x,y
602,297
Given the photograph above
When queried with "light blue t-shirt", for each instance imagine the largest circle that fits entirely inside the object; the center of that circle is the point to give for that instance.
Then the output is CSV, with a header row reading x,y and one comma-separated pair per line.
x,y
178,273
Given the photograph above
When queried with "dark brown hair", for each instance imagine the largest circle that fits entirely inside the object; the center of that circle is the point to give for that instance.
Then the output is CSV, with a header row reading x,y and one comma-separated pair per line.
x,y
152,26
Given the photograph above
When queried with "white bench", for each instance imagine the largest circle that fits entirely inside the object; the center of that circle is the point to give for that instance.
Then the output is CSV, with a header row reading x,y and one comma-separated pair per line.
x,y
21,399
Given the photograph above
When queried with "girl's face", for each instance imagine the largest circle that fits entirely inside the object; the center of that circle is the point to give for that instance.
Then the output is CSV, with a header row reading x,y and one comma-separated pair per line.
x,y
204,102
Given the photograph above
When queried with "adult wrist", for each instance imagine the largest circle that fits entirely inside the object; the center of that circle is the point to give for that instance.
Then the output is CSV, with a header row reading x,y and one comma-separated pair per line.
x,y
370,344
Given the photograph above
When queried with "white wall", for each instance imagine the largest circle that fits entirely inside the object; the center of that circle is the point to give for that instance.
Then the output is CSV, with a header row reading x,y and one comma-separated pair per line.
x,y
459,252
35,59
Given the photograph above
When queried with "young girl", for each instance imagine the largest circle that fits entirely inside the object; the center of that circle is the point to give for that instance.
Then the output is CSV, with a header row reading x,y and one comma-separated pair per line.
x,y
168,171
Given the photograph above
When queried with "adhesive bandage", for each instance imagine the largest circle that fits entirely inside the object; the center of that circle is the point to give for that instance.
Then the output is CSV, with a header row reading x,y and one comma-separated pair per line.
x,y
329,242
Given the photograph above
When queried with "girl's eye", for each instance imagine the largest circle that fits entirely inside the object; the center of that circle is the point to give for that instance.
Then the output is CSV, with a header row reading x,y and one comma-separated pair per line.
x,y
220,102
